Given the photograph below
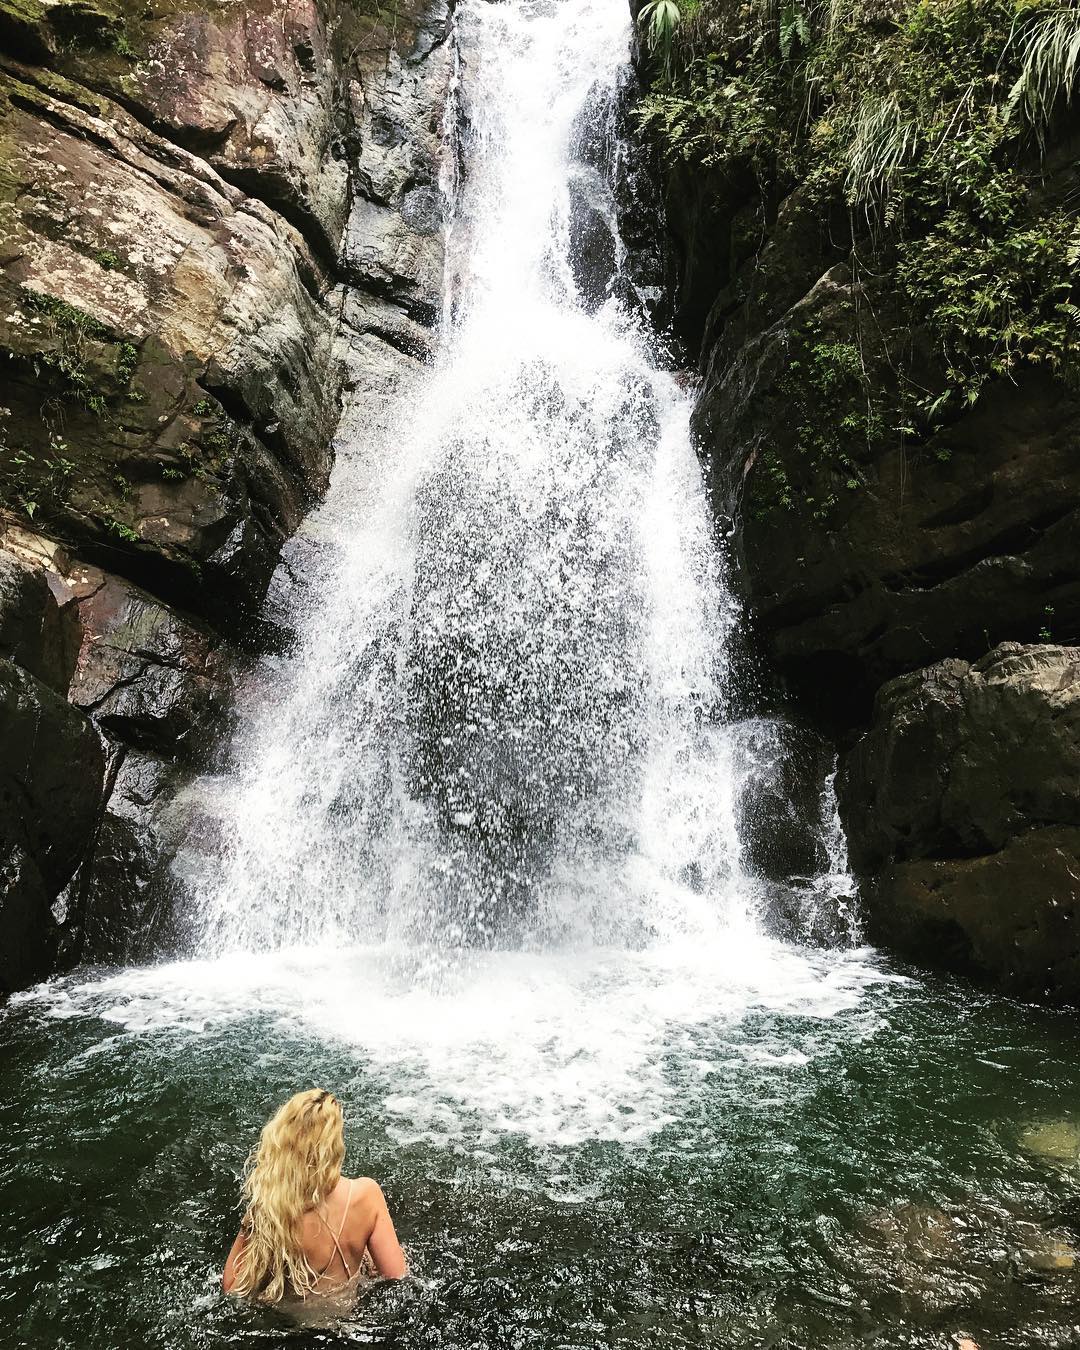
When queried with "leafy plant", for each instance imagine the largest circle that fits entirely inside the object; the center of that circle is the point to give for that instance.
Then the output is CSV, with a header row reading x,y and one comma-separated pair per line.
x,y
659,20
71,329
794,30
918,127
122,531
1049,43
38,482
884,141
126,362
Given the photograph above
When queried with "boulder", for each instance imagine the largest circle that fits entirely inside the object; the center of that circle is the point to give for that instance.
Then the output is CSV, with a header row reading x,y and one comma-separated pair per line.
x,y
34,632
119,907
151,677
963,818
51,778
158,684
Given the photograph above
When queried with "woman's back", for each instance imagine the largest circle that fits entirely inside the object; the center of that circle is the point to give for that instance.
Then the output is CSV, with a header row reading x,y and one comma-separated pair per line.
x,y
353,1223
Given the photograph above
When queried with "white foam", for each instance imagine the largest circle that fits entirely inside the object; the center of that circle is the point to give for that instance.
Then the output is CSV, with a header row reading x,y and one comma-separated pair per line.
x,y
556,1046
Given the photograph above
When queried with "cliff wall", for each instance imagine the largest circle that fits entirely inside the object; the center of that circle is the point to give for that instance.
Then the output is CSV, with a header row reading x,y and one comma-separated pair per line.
x,y
871,250
216,217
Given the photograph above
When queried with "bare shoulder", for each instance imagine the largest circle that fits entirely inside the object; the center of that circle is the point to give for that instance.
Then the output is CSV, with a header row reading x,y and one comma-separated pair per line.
x,y
367,1191
366,1205
367,1196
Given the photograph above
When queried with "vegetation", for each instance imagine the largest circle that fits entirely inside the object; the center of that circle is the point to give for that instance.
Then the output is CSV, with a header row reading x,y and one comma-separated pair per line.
x,y
835,414
39,474
923,125
33,481
71,331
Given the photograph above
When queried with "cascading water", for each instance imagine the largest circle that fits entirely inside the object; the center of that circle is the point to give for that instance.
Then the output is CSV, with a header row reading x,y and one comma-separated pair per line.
x,y
499,768
479,870
505,722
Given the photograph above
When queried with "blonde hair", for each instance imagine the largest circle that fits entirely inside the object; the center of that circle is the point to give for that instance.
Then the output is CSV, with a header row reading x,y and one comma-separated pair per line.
x,y
293,1168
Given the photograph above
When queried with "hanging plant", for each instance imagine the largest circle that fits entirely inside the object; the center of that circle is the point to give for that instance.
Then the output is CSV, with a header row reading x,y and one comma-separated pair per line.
x,y
658,20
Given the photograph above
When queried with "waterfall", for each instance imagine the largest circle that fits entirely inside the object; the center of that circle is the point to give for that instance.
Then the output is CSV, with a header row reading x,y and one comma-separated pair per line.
x,y
504,723
483,824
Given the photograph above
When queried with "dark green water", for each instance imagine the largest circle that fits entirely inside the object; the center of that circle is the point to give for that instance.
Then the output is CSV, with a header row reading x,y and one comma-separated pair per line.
x,y
875,1176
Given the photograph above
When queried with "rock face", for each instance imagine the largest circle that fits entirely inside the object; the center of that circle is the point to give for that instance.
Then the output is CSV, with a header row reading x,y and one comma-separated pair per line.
x,y
214,220
51,780
873,535
860,571
150,688
962,813
895,465
34,633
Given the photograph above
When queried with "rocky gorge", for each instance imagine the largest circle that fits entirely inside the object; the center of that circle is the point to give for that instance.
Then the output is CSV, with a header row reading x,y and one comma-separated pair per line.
x,y
871,248
221,227
223,243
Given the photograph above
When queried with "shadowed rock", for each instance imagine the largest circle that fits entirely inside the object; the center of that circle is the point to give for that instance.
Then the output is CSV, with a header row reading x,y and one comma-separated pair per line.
x,y
963,816
51,774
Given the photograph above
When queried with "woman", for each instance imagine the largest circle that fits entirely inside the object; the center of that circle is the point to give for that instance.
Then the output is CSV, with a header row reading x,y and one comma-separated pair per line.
x,y
308,1229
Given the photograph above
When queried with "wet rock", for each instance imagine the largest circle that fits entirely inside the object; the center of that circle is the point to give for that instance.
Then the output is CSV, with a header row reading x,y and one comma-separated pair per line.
x,y
394,243
615,199
1039,1253
34,632
1010,917
963,818
783,772
1056,1140
921,559
593,253
158,685
260,95
51,776
150,677
961,758
918,1249
119,907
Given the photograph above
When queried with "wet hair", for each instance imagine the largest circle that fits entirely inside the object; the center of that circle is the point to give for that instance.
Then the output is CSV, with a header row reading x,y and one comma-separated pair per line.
x,y
293,1168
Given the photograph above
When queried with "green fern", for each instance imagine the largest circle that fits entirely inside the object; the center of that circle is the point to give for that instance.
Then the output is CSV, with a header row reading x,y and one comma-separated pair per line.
x,y
794,30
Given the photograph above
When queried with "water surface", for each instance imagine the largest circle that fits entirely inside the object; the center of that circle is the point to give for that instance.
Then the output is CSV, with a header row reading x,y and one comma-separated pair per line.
x,y
867,1168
